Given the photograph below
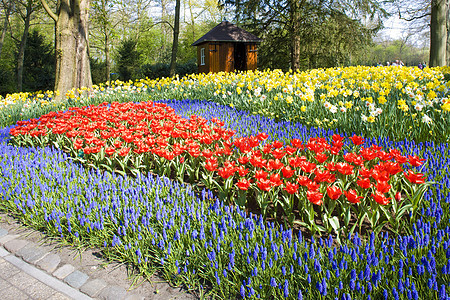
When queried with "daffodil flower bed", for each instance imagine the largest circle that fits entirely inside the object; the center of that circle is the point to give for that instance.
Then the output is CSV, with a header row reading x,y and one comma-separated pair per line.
x,y
150,137
399,102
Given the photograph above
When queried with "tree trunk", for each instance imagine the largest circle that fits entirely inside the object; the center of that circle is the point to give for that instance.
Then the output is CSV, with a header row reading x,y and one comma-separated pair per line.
x,y
163,29
22,46
448,33
176,32
107,58
71,45
192,20
5,27
295,16
438,33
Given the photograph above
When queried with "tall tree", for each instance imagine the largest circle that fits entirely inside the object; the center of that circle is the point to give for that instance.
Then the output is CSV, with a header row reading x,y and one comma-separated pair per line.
x,y
29,7
297,19
102,16
176,33
438,33
71,44
7,7
433,17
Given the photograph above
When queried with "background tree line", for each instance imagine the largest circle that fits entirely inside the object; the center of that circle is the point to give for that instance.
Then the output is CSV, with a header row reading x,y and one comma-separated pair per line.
x,y
130,39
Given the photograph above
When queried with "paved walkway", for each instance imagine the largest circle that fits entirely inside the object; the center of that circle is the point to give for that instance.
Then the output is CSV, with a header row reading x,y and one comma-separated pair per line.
x,y
33,268
20,280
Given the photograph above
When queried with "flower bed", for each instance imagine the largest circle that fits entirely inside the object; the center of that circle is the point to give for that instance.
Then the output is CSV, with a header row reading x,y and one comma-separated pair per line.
x,y
366,100
160,225
146,137
46,189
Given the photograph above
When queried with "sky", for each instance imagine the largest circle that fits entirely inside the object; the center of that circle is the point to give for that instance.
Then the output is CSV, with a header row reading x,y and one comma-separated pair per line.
x,y
394,27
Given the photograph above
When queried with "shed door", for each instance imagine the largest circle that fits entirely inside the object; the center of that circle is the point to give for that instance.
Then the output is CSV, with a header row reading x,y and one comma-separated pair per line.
x,y
214,57
229,59
252,57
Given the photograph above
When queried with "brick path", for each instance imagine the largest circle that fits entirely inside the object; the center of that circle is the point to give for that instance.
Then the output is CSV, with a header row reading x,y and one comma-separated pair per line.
x,y
20,280
32,271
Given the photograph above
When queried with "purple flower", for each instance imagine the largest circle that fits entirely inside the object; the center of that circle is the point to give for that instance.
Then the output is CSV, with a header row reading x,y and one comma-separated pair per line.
x,y
273,282
242,291
286,289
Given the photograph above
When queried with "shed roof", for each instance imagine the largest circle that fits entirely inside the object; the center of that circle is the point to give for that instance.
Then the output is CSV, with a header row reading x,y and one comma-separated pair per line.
x,y
227,32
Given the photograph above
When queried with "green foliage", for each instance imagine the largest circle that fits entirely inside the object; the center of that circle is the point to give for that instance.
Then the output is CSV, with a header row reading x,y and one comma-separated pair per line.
x,y
98,68
151,44
128,60
274,52
7,67
39,64
159,70
329,35
403,50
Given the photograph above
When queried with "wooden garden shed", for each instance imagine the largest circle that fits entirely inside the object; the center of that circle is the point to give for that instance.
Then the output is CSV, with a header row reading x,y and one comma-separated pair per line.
x,y
227,48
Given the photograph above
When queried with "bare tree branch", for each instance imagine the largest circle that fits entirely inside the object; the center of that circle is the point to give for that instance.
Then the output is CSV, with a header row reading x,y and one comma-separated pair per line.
x,y
49,11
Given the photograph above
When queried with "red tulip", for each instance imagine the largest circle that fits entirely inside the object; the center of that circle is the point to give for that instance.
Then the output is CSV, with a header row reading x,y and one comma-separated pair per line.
x,y
392,168
242,170
243,160
307,167
243,184
277,144
337,138
323,176
331,166
275,179
124,151
415,161
368,154
357,140
261,174
333,192
314,197
415,177
344,168
297,143
78,144
278,153
384,156
262,136
275,164
290,150
264,184
383,187
364,172
296,161
380,175
291,188
207,153
303,180
287,172
321,157
352,196
312,186
211,164
364,183
380,198
110,150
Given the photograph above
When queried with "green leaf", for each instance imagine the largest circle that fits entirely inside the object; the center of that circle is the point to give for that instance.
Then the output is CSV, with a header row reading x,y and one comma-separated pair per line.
x,y
334,222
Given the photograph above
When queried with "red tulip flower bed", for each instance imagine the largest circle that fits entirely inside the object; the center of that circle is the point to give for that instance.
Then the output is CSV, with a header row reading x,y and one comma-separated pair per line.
x,y
316,178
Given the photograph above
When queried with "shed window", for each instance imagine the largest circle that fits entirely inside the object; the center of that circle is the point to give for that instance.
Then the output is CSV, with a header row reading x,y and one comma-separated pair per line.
x,y
202,56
